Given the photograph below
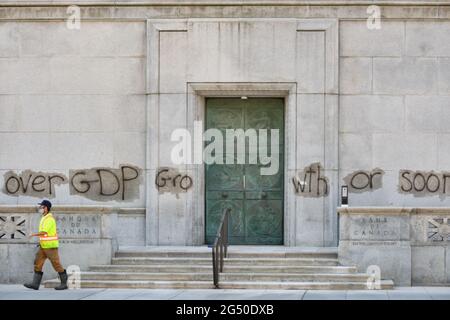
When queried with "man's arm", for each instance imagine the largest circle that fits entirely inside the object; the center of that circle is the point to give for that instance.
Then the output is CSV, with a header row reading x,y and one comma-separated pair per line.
x,y
39,234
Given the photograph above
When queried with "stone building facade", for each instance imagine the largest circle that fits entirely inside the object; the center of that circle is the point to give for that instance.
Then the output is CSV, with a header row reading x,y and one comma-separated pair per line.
x,y
87,112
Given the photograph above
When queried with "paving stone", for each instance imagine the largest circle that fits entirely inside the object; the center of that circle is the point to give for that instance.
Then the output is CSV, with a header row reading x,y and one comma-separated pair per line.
x,y
156,295
367,295
325,295
15,292
114,294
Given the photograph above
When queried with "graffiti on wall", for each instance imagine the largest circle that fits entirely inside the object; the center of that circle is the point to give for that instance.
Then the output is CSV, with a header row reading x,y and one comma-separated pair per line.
x,y
172,181
421,183
364,180
310,182
31,183
103,184
100,184
123,183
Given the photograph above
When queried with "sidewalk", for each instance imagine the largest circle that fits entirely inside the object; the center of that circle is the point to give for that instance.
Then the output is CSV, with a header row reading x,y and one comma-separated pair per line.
x,y
18,292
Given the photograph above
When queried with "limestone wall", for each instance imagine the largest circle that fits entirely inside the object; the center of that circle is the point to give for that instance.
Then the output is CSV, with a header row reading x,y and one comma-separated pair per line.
x,y
84,104
395,110
409,245
71,100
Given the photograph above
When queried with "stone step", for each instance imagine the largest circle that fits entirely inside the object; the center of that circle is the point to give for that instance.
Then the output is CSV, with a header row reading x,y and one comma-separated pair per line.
x,y
181,254
228,261
205,276
288,285
234,269
171,254
385,284
246,267
138,284
234,251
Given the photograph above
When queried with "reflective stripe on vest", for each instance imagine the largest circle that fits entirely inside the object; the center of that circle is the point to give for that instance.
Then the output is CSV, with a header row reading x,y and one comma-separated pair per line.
x,y
44,238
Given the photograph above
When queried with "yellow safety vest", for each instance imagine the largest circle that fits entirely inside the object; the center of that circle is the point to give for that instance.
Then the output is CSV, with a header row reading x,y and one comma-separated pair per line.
x,y
48,225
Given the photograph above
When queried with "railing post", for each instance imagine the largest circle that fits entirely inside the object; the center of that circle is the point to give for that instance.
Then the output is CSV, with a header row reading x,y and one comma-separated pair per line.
x,y
214,267
226,232
220,247
217,267
221,252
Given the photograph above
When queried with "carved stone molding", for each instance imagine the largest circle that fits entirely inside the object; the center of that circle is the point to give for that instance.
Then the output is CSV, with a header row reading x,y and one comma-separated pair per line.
x,y
12,227
439,229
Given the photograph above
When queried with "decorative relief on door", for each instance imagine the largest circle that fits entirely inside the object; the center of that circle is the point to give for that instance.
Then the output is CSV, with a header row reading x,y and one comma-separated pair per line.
x,y
264,219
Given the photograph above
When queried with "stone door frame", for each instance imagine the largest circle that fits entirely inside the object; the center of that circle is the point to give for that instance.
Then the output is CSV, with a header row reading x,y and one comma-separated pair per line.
x,y
196,98
196,92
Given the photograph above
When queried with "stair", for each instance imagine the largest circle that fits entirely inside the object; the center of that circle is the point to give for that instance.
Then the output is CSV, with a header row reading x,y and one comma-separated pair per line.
x,y
246,267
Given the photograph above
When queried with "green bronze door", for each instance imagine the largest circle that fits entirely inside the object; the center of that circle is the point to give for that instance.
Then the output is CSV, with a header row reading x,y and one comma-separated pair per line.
x,y
255,199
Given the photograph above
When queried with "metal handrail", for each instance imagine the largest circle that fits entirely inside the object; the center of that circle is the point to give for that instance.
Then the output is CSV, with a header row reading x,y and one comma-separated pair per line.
x,y
220,247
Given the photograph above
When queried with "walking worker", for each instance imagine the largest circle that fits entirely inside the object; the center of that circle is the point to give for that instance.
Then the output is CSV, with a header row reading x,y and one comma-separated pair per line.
x,y
48,243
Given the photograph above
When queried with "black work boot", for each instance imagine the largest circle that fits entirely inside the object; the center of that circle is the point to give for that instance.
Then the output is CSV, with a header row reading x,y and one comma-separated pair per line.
x,y
63,278
37,277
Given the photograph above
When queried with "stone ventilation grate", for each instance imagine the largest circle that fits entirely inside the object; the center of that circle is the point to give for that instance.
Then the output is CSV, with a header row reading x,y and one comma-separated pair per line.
x,y
12,227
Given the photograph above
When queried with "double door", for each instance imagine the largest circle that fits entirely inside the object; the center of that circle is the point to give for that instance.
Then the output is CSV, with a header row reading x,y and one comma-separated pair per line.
x,y
255,199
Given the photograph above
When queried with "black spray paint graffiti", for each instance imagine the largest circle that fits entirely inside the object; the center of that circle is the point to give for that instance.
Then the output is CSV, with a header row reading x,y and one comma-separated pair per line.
x,y
104,184
363,180
310,182
420,183
171,181
101,184
30,183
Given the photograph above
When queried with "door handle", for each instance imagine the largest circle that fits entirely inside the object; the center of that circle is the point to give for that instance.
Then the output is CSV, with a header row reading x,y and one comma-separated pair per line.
x,y
244,181
264,195
224,195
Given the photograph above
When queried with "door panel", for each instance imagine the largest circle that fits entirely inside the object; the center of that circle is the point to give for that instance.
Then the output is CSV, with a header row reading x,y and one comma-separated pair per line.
x,y
215,209
256,200
256,181
264,221
224,177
